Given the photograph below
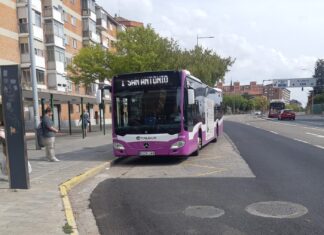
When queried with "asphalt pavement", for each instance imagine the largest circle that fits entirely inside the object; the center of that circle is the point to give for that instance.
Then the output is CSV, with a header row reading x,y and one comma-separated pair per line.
x,y
288,190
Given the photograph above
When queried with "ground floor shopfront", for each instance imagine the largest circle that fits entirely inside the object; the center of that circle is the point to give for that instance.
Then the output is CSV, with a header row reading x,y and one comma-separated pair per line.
x,y
67,109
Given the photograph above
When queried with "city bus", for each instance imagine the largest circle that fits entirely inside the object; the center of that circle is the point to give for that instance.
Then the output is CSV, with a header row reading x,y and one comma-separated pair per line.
x,y
165,113
275,107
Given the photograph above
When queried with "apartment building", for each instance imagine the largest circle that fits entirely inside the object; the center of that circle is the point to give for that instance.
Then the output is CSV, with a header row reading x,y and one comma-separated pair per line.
x,y
60,29
9,40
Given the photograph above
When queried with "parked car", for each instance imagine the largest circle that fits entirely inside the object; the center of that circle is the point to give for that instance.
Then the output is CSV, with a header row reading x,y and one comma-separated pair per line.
x,y
257,112
286,114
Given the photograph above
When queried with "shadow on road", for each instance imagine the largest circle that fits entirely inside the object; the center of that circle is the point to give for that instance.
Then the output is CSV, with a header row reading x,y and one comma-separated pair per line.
x,y
148,161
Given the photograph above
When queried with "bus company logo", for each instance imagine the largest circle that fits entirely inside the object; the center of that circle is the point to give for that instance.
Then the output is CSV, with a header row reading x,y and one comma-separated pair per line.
x,y
146,138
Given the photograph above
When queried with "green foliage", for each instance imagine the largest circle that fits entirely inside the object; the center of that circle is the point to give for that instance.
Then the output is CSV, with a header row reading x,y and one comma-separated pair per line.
x,y
142,49
319,74
261,103
204,64
67,229
294,107
240,103
89,65
319,99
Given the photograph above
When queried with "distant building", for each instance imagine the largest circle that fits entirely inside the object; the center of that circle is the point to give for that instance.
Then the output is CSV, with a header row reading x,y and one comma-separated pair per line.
x,y
128,23
274,93
252,89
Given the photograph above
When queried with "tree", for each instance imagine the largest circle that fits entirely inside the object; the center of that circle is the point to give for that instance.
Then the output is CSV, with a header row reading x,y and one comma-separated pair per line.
x,y
142,49
319,74
89,65
261,103
205,64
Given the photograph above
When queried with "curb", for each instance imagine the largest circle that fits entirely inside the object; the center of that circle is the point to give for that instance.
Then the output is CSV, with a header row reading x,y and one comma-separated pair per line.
x,y
68,185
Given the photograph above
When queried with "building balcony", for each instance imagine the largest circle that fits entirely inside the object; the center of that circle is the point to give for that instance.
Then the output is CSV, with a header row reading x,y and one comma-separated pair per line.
x,y
91,36
23,28
57,81
102,24
90,14
56,66
53,13
36,4
38,33
39,61
55,40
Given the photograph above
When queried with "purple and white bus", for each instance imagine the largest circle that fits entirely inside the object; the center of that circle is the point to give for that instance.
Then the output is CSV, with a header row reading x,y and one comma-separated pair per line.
x,y
164,113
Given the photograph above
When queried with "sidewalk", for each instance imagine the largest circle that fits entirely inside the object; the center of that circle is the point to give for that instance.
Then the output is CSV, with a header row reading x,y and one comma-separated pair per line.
x,y
39,210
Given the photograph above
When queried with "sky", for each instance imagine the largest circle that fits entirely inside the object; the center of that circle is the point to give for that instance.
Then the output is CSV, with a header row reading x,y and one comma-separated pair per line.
x,y
269,39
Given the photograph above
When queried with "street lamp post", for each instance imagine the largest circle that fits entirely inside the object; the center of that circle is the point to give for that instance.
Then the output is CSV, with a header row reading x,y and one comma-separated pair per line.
x,y
202,37
312,92
33,70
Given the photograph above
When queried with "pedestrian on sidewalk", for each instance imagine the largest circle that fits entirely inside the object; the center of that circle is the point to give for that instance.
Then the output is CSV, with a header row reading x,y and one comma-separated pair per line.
x,y
49,135
85,118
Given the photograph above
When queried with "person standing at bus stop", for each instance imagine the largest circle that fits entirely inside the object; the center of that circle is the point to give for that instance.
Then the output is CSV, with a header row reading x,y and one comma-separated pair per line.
x,y
49,135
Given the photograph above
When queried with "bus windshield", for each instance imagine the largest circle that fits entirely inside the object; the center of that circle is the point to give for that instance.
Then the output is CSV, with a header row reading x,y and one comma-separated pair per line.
x,y
147,111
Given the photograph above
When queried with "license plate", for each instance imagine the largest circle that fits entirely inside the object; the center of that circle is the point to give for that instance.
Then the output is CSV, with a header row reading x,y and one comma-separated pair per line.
x,y
146,153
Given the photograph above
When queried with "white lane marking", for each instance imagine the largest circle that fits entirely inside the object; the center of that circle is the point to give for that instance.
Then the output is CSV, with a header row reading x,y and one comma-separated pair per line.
x,y
313,123
274,132
303,141
319,146
317,135
314,128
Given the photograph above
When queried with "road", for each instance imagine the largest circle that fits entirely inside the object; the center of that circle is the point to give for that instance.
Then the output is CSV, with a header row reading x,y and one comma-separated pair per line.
x,y
282,175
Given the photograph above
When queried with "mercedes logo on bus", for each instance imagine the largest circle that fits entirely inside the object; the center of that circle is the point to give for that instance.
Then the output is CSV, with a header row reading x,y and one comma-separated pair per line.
x,y
146,145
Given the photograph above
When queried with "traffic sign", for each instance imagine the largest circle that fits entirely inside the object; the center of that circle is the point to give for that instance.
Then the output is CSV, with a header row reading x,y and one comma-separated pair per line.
x,y
305,82
280,83
294,82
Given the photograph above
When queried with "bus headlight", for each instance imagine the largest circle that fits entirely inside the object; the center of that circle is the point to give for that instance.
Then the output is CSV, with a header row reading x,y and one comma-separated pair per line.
x,y
178,144
118,146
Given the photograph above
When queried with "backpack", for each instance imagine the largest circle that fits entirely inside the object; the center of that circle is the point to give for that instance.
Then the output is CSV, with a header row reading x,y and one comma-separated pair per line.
x,y
40,134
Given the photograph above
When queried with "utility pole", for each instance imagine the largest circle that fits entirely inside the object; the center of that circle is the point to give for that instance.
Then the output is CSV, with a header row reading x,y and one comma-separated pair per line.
x,y
33,70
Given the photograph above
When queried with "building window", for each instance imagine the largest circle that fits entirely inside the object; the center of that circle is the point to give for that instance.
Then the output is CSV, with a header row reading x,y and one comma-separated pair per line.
x,y
50,54
25,77
75,44
58,29
72,1
38,19
67,61
23,25
65,16
73,20
39,52
77,88
24,48
66,39
72,108
40,75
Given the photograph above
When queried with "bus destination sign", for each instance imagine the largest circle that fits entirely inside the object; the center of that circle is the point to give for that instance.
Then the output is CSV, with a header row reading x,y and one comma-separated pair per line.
x,y
145,80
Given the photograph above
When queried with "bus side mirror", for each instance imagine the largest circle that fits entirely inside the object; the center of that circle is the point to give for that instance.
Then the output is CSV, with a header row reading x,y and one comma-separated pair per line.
x,y
191,96
98,96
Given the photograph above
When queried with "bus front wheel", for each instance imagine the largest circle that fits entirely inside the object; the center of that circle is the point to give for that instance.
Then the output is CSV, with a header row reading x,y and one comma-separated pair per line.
x,y
199,146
